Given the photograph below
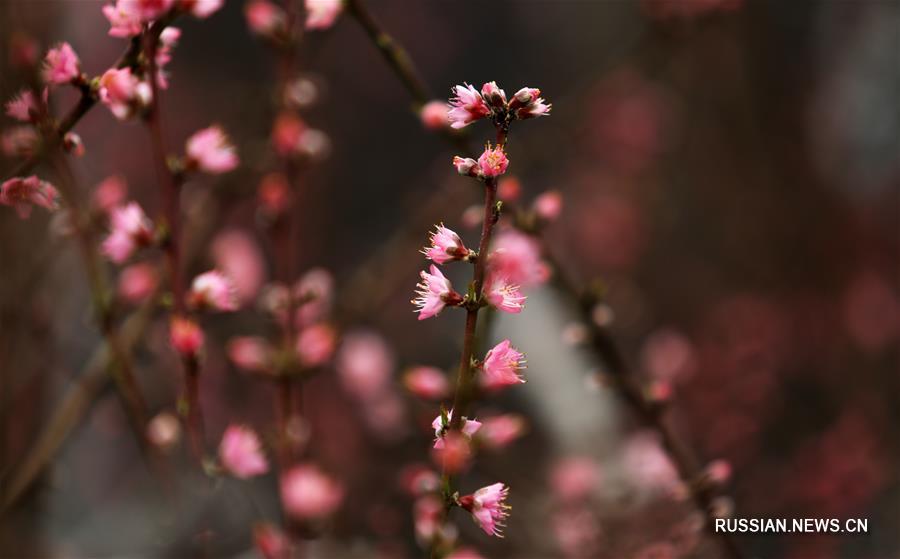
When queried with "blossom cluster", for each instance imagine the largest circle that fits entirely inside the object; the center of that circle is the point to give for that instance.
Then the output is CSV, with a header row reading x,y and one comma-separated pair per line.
x,y
495,284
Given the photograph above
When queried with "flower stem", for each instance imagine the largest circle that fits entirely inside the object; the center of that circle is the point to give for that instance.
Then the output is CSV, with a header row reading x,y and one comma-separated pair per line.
x,y
171,216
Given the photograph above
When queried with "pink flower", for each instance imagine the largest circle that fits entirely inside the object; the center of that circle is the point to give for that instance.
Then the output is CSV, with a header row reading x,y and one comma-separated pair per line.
x,y
264,18
517,258
498,432
241,454
124,18
164,430
110,193
25,106
454,453
365,364
501,366
418,479
527,103
466,106
509,189
434,115
307,493
61,65
445,246
434,293
469,428
503,294
185,336
495,96
320,14
493,162
129,229
23,50
202,9
287,133
238,255
23,193
212,290
251,353
488,507
315,345
167,41
548,205
314,293
137,282
210,150
123,93
574,478
718,472
427,382
273,194
466,166
270,541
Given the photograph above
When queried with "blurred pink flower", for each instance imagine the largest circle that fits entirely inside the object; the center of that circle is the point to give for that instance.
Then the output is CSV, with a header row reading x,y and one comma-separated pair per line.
x,y
202,9
493,161
429,383
25,106
667,355
488,507
315,345
274,194
61,65
365,364
548,205
500,431
123,93
434,115
212,290
466,106
452,453
164,431
503,294
509,188
130,228
434,293
110,193
287,132
137,282
124,18
185,336
211,151
23,50
419,479
517,257
307,493
321,14
445,246
72,144
270,541
314,291
574,478
240,258
251,353
23,193
501,366
241,453
19,141
647,465
264,18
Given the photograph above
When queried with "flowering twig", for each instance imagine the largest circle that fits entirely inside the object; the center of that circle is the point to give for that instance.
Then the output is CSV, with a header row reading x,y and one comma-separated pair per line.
x,y
603,344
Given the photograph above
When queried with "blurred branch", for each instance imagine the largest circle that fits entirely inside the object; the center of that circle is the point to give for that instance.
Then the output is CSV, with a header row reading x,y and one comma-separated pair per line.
x,y
603,343
73,408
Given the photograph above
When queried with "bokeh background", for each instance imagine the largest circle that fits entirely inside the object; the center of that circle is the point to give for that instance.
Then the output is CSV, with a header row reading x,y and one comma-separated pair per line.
x,y
729,172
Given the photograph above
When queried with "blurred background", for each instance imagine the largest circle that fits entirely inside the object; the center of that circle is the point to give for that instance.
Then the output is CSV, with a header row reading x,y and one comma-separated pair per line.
x,y
729,173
